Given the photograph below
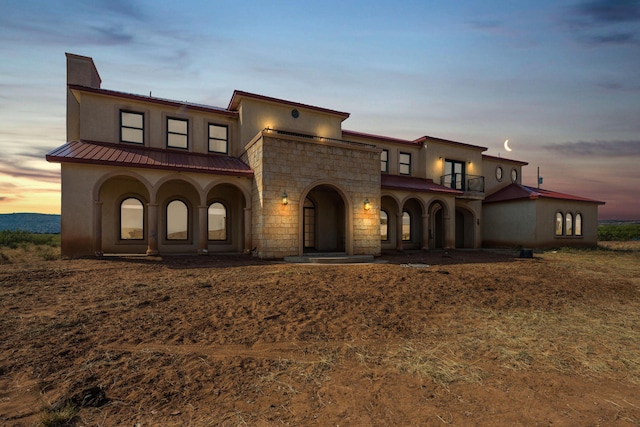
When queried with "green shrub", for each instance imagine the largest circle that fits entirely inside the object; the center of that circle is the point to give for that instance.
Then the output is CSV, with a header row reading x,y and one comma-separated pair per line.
x,y
619,232
20,238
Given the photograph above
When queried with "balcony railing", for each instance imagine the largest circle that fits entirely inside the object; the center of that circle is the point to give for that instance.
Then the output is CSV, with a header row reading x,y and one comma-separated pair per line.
x,y
463,182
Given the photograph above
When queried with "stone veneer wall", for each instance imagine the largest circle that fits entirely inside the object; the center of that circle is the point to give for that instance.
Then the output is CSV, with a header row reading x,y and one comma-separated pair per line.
x,y
292,165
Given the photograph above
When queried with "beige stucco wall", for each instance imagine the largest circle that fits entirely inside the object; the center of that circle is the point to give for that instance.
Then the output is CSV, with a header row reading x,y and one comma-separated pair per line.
x,y
491,183
256,115
100,121
297,166
531,223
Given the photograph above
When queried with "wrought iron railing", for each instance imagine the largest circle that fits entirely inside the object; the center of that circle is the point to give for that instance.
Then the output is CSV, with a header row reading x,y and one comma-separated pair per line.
x,y
463,182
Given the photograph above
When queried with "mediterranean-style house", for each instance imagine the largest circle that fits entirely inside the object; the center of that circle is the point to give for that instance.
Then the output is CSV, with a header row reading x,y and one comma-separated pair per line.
x,y
278,178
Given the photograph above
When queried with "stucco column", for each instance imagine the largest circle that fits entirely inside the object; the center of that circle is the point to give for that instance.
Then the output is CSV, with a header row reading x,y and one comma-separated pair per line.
x,y
399,231
97,228
152,220
203,231
247,230
425,231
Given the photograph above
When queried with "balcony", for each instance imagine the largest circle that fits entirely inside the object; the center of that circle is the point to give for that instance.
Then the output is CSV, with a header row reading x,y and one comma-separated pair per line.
x,y
470,184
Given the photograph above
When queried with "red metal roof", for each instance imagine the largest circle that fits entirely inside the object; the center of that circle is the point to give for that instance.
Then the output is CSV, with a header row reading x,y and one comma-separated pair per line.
x,y
411,183
100,153
518,192
152,99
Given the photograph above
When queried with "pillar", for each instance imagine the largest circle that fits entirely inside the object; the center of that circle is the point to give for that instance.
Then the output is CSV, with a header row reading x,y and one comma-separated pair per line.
x,y
399,231
152,221
247,230
97,228
425,231
203,230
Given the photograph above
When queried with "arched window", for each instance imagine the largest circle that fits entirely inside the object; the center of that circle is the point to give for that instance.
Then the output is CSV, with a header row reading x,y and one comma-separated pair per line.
x,y
217,217
131,219
578,224
384,226
406,226
309,224
559,223
568,229
177,220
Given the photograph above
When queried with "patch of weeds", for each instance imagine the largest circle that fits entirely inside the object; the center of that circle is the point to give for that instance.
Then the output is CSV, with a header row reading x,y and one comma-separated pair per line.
x,y
47,253
59,417
4,258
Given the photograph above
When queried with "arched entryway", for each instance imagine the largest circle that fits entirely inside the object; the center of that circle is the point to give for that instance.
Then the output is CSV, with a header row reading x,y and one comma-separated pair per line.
x,y
225,219
464,228
412,224
437,235
324,220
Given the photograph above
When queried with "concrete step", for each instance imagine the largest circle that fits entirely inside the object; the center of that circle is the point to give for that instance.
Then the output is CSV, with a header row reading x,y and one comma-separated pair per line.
x,y
330,258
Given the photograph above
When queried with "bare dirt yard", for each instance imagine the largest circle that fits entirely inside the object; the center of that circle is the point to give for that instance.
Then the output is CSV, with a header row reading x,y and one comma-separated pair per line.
x,y
423,339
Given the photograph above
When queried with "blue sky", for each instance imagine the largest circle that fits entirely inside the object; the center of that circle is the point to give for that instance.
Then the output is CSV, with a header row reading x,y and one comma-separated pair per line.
x,y
559,79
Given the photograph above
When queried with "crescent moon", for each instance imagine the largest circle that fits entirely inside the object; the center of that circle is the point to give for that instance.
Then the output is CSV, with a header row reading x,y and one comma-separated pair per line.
x,y
506,145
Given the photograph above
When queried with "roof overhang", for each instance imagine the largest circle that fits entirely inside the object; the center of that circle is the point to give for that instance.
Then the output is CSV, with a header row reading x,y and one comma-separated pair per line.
x,y
120,155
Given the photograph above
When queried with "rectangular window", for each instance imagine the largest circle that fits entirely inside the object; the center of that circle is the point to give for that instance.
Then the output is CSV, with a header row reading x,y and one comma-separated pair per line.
x,y
131,127
219,139
177,133
384,161
405,164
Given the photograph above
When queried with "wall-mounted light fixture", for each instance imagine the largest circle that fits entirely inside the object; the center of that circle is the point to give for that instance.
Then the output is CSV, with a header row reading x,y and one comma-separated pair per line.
x,y
285,198
367,204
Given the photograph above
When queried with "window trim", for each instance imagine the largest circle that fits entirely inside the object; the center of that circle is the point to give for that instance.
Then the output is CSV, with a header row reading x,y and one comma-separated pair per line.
x,y
168,132
385,162
210,138
122,126
226,222
400,164
166,222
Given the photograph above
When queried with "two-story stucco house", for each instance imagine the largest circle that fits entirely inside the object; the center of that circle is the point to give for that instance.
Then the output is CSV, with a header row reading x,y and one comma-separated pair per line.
x,y
279,178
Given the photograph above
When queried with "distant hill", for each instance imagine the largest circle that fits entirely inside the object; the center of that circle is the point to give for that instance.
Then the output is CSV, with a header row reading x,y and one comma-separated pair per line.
x,y
32,222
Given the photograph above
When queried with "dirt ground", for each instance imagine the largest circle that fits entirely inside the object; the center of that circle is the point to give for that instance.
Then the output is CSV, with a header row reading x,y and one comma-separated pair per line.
x,y
464,338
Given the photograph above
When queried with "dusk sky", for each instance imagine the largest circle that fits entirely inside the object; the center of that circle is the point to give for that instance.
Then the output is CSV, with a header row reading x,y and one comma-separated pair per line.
x,y
559,79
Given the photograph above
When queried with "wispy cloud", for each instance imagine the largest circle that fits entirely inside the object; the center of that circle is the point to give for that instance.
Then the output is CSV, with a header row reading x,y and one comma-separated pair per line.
x,y
597,148
605,22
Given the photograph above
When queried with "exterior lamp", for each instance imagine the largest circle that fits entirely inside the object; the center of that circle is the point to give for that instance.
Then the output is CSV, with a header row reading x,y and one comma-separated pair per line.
x,y
367,204
285,198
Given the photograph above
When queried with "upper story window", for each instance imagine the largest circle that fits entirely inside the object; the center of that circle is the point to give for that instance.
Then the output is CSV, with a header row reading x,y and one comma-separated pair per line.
x,y
177,133
405,164
514,175
384,161
219,138
131,127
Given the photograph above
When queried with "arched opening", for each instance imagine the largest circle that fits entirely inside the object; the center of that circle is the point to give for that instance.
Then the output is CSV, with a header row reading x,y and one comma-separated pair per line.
x,y
324,220
389,223
217,222
177,220
436,225
132,219
226,209
412,224
121,220
464,228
